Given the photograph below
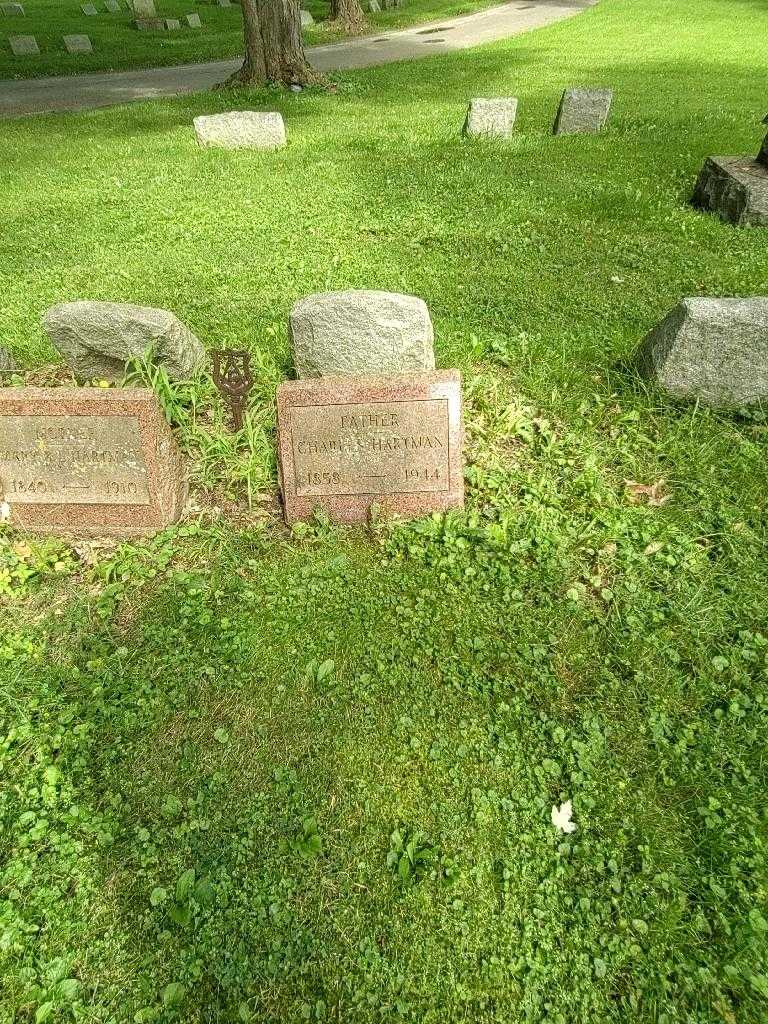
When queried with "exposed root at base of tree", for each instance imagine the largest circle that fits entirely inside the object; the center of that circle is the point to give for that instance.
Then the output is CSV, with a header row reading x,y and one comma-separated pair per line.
x,y
349,26
248,78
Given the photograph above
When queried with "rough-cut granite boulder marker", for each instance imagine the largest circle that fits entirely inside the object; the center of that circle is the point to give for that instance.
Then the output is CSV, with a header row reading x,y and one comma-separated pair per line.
x,y
713,350
735,188
241,129
361,332
491,117
582,110
97,339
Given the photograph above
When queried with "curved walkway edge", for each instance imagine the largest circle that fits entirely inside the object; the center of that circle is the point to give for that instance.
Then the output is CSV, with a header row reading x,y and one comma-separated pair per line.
x,y
86,92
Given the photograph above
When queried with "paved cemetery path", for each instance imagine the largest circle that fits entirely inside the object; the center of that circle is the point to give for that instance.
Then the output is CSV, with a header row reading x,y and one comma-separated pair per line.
x,y
83,92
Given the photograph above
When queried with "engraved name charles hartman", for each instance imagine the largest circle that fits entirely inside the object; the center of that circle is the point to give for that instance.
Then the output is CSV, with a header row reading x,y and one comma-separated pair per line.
x,y
390,448
379,431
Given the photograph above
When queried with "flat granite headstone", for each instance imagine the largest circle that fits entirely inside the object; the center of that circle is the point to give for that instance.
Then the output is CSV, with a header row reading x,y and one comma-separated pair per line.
x,y
712,350
172,23
78,44
89,10
12,10
149,24
491,117
112,6
582,110
193,20
241,129
346,444
88,462
21,46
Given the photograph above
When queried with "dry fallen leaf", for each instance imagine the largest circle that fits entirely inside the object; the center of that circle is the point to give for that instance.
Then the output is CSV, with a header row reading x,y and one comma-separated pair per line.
x,y
653,492
654,548
561,818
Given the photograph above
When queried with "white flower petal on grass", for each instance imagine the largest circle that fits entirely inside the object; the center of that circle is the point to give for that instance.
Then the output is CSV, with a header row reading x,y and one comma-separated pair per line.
x,y
561,818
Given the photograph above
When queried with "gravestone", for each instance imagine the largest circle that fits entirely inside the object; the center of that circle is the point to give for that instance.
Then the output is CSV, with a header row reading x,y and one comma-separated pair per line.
x,y
88,461
491,117
361,332
149,24
374,7
89,10
144,9
712,350
12,10
112,6
735,188
193,20
306,19
582,110
240,129
7,362
346,444
172,23
97,339
223,3
78,44
22,46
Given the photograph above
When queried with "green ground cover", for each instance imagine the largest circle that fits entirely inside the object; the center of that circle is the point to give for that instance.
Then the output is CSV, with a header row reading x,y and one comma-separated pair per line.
x,y
118,46
250,774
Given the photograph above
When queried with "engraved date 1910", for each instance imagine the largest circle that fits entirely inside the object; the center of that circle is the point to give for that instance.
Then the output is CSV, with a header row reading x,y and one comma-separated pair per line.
x,y
111,488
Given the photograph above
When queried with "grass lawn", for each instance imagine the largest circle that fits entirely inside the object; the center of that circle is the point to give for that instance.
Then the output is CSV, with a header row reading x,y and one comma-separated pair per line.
x,y
118,46
254,775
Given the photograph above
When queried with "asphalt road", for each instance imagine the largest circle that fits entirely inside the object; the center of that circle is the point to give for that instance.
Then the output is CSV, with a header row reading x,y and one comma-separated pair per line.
x,y
85,92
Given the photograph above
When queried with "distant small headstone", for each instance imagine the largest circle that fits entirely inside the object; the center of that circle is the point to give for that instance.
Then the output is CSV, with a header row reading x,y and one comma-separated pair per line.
x,y
583,110
7,362
193,20
361,332
112,6
98,339
172,23
374,7
78,44
144,9
306,19
89,10
223,3
712,350
491,117
149,24
241,129
12,10
88,461
23,46
347,444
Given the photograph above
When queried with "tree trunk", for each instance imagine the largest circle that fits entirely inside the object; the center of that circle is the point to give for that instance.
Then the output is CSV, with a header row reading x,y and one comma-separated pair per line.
x,y
349,14
274,51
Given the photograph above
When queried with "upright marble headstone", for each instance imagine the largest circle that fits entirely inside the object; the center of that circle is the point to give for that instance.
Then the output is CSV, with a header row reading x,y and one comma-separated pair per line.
x,y
349,443
144,9
12,10
306,19
112,6
78,44
23,46
172,23
89,462
89,10
193,21
582,110
241,129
